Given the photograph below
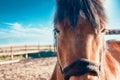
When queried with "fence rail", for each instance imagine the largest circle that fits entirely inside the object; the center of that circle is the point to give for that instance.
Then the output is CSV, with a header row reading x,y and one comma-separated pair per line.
x,y
25,49
112,31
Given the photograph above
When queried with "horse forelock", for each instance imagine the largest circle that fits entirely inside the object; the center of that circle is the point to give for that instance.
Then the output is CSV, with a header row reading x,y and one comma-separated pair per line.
x,y
70,10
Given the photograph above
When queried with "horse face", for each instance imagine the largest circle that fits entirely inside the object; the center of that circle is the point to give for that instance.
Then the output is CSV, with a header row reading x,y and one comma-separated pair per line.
x,y
80,42
78,31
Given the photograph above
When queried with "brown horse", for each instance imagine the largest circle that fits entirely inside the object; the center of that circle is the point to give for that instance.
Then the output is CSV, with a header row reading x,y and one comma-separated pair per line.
x,y
114,48
81,51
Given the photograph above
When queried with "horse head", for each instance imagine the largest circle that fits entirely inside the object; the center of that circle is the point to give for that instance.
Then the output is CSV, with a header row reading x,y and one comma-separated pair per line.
x,y
79,32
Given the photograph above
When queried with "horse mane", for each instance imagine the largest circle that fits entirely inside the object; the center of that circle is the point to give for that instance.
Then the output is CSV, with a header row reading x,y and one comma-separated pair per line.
x,y
70,10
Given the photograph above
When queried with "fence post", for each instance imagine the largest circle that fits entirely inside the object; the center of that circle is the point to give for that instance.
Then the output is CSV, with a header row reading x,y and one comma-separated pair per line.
x,y
26,53
50,47
39,51
12,55
39,48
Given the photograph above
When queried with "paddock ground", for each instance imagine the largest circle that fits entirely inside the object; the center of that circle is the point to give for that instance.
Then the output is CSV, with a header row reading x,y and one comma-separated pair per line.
x,y
28,69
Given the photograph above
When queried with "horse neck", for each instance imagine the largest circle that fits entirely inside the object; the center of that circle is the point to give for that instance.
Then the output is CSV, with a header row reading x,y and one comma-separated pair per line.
x,y
111,69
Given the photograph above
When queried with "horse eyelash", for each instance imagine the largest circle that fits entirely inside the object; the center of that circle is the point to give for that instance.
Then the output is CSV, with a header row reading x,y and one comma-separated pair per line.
x,y
56,31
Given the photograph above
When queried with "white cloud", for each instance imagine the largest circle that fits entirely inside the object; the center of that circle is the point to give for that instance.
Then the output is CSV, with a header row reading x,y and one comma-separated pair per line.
x,y
114,25
112,14
27,34
15,26
109,6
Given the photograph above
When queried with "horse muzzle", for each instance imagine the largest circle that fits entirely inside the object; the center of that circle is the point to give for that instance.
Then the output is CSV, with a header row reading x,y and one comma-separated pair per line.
x,y
80,67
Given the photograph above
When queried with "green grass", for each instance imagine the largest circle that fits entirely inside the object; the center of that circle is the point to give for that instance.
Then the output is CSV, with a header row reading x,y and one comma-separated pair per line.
x,y
31,55
7,58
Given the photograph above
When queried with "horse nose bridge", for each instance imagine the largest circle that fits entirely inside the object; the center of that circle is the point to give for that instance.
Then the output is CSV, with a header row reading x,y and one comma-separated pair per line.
x,y
82,50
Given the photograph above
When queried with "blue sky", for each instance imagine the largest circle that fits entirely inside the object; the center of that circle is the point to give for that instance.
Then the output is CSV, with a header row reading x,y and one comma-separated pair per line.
x,y
31,21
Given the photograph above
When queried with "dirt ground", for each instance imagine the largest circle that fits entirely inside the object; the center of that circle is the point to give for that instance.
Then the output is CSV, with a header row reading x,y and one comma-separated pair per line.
x,y
28,69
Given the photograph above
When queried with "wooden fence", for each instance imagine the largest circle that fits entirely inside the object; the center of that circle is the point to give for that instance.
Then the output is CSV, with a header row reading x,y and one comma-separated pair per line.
x,y
112,32
25,49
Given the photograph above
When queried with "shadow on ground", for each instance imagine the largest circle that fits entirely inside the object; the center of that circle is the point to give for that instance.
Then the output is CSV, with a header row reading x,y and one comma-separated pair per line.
x,y
41,54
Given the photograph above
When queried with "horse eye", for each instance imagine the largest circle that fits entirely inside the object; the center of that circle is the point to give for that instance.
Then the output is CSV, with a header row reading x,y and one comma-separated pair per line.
x,y
103,31
56,32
